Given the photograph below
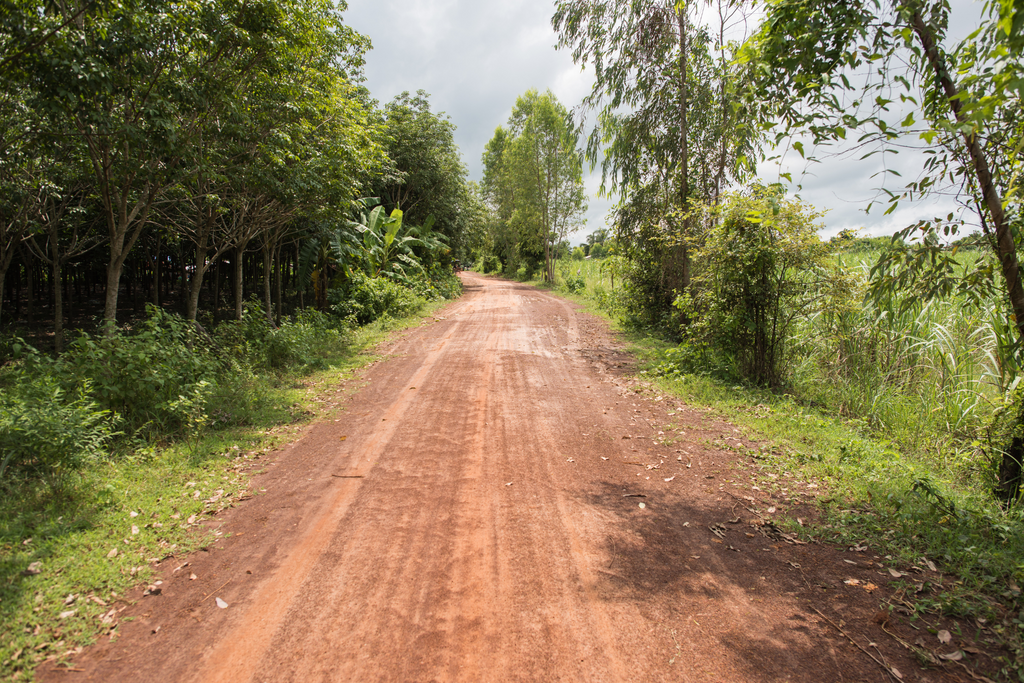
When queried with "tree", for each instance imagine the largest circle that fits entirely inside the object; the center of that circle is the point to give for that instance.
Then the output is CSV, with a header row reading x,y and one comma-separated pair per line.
x,y
761,267
427,177
534,174
963,102
801,64
667,130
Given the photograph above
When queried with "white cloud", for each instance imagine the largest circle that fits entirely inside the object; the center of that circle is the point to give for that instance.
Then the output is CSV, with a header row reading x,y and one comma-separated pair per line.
x,y
475,58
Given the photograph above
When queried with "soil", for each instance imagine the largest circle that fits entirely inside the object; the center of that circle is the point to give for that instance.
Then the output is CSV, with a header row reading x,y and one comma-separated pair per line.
x,y
504,501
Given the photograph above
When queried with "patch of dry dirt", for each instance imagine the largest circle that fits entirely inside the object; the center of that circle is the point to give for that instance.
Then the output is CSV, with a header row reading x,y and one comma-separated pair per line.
x,y
502,502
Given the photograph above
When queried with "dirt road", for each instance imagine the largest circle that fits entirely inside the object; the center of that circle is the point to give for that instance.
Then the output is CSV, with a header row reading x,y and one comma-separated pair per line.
x,y
496,504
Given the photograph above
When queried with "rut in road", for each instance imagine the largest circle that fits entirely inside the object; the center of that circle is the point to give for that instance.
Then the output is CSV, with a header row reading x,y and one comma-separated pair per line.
x,y
481,520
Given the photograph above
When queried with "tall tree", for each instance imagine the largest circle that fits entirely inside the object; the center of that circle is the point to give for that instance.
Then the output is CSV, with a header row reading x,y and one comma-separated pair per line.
x,y
802,65
534,173
655,77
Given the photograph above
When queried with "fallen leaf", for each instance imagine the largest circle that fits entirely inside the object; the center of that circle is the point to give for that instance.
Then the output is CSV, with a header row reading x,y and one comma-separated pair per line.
x,y
508,484
221,604
33,569
671,478
135,530
603,458
896,672
112,553
850,562
70,599
69,613
342,438
133,513
99,601
931,565
191,518
953,656
771,510
852,582
944,636
192,577
869,587
895,574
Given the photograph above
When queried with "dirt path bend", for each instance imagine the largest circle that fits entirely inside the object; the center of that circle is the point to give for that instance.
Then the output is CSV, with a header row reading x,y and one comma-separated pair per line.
x,y
496,505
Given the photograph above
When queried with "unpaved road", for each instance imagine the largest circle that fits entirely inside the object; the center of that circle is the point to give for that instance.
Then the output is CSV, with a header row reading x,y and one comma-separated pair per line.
x,y
475,515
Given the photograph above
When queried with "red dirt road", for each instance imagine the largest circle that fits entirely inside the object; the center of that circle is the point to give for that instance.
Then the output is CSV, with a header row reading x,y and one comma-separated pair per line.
x,y
475,515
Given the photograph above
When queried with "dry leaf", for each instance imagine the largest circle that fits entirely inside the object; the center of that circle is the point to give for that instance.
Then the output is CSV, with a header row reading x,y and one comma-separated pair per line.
x,y
953,656
221,604
895,574
112,553
944,636
671,478
869,587
192,518
771,510
852,582
192,577
135,530
69,613
896,672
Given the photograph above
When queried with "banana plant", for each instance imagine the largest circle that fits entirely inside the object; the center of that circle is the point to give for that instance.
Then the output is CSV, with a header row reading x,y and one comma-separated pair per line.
x,y
387,244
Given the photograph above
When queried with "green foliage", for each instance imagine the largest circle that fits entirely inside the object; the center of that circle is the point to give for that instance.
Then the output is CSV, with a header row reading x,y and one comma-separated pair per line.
x,y
138,375
573,280
366,299
299,344
533,181
50,435
762,266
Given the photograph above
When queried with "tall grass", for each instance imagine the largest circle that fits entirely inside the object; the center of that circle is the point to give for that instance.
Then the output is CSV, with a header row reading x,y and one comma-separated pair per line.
x,y
926,374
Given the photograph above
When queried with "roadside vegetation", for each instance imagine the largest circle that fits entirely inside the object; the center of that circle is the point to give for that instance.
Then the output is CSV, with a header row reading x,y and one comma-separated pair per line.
x,y
205,222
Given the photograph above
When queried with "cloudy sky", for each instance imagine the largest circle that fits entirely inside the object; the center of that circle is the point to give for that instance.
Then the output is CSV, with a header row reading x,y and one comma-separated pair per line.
x,y
475,58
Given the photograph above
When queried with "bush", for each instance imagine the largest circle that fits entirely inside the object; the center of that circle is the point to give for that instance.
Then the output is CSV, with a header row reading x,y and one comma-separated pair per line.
x,y
48,435
257,343
762,267
367,299
139,375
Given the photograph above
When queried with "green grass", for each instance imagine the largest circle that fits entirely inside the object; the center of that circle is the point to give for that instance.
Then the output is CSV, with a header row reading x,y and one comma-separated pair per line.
x,y
149,506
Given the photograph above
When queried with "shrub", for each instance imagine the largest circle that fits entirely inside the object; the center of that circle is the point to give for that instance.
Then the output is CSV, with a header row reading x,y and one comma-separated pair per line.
x,y
367,299
762,266
257,343
49,435
138,374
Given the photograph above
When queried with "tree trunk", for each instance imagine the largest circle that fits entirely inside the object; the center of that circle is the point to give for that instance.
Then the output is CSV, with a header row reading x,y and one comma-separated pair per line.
x,y
58,299
684,151
278,307
268,304
1006,249
238,279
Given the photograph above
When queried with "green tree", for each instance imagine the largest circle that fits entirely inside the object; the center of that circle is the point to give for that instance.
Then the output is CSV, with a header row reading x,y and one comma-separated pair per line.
x,y
802,64
761,267
427,177
534,174
668,129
